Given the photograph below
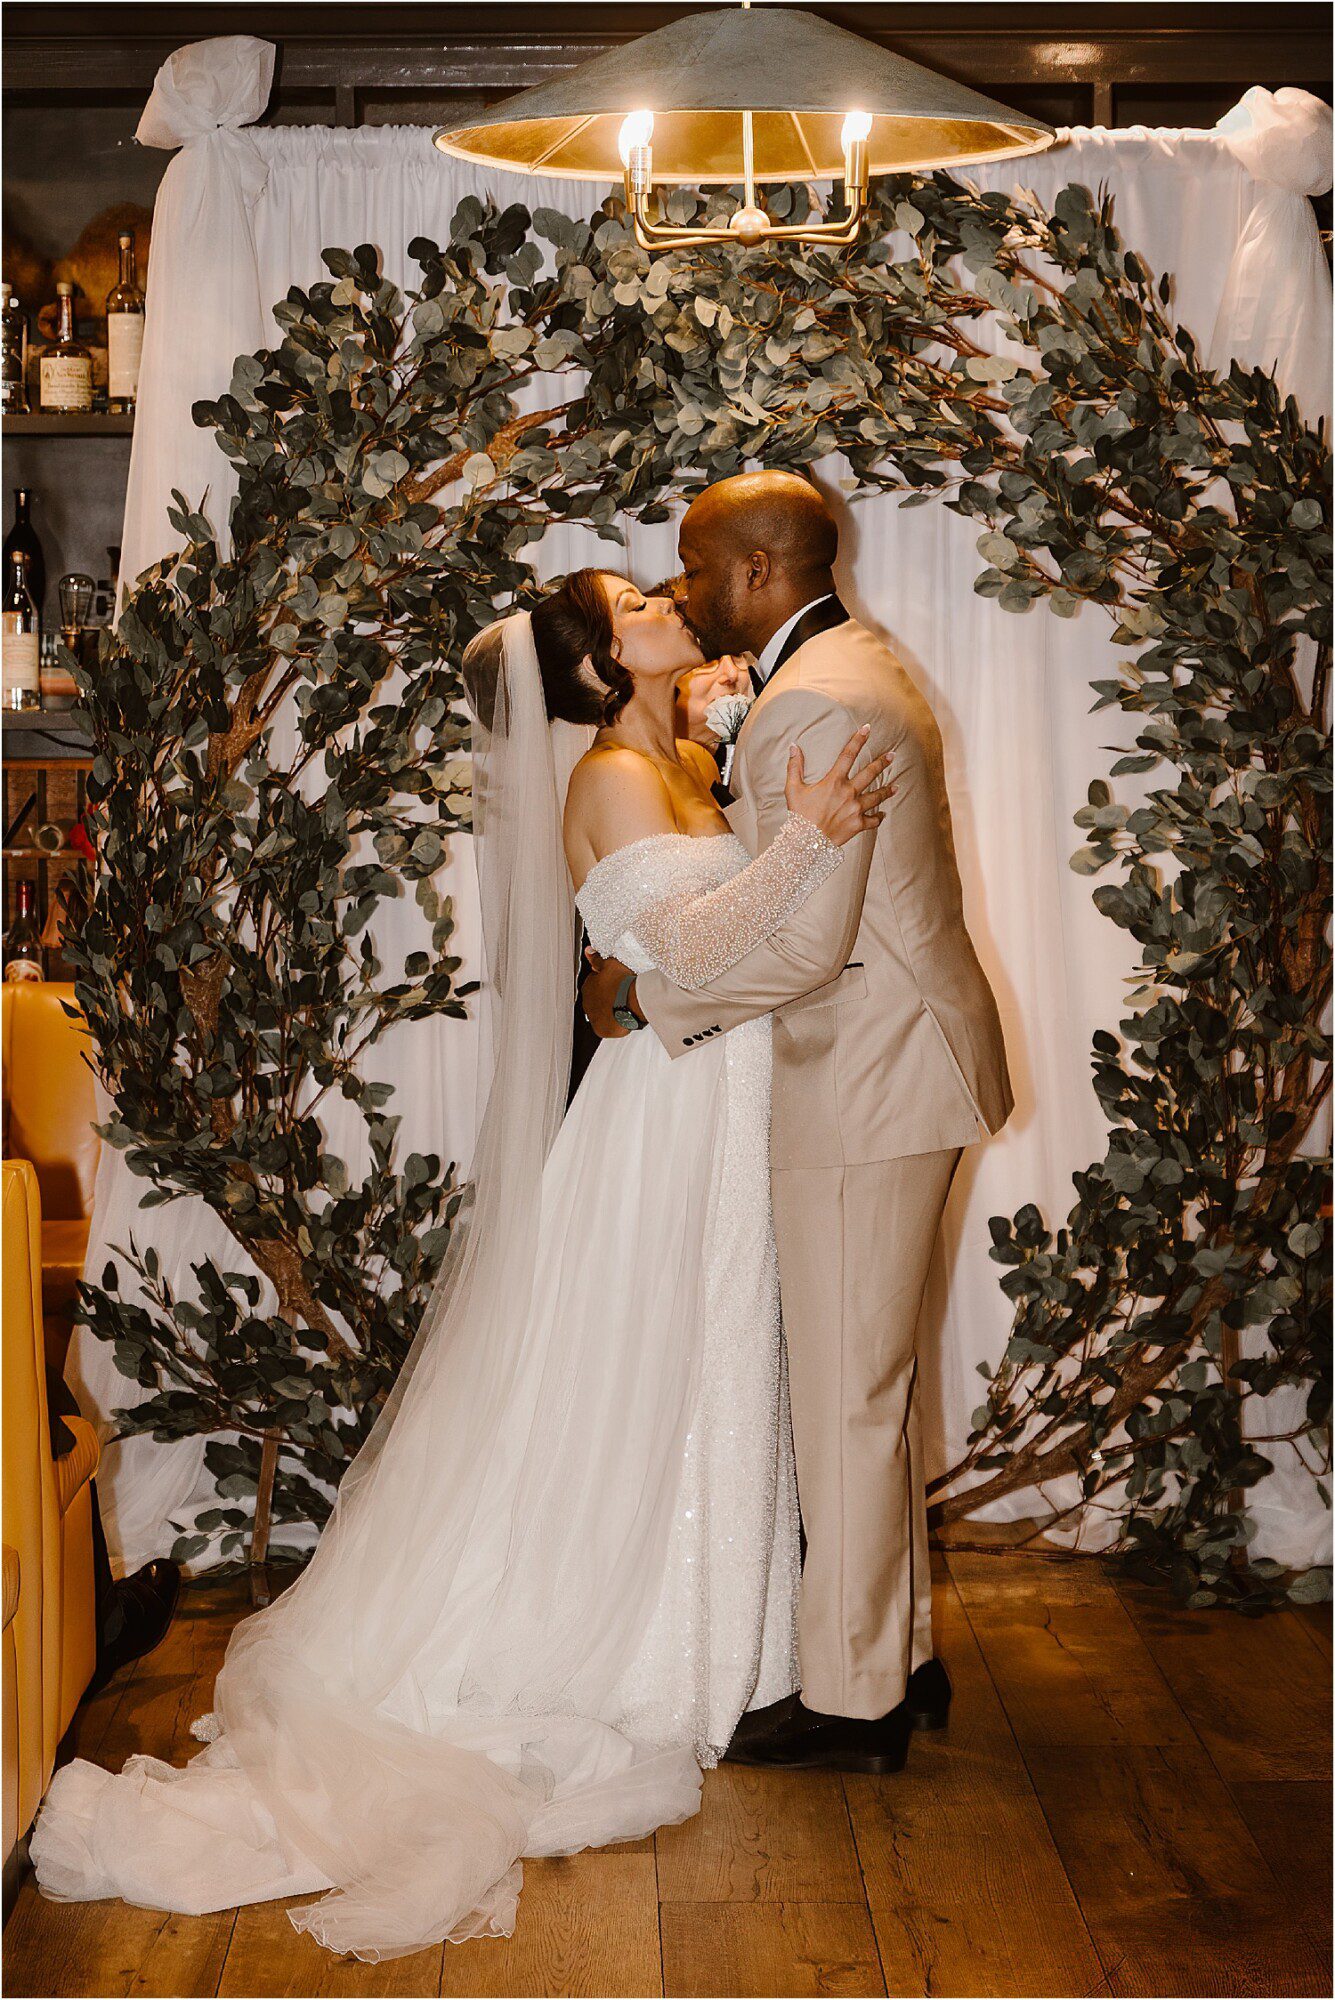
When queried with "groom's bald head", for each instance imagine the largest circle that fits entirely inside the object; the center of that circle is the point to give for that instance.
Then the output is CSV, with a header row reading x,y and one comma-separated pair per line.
x,y
754,549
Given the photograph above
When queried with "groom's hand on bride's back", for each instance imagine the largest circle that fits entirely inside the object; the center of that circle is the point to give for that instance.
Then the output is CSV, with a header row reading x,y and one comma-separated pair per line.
x,y
598,994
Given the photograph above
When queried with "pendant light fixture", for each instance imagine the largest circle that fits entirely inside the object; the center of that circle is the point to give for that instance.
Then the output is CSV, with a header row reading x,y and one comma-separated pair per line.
x,y
749,95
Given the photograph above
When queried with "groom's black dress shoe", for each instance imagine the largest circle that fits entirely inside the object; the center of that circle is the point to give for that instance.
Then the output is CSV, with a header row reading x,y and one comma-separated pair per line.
x,y
928,1698
805,1740
770,1735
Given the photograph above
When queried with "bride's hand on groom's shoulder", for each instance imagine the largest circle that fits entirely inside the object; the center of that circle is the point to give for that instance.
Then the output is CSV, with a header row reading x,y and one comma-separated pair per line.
x,y
840,804
705,684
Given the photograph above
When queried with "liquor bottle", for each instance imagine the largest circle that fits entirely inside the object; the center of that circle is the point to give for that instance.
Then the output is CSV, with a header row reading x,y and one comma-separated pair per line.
x,y
23,943
23,536
14,393
125,331
20,639
66,369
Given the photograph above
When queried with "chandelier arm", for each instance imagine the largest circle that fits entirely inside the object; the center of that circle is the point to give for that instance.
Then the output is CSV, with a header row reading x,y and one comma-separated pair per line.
x,y
667,236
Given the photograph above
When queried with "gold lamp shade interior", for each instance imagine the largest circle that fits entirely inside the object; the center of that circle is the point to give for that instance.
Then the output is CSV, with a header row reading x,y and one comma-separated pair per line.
x,y
795,73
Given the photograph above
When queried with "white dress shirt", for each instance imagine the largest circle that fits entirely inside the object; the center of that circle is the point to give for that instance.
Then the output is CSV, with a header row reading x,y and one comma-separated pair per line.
x,y
765,665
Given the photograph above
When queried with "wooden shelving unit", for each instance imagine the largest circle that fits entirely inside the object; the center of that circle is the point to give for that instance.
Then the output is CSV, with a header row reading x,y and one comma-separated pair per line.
x,y
85,424
45,735
48,752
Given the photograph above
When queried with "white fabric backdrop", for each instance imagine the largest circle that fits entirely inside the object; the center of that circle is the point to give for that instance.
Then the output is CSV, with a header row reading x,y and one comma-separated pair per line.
x,y
243,214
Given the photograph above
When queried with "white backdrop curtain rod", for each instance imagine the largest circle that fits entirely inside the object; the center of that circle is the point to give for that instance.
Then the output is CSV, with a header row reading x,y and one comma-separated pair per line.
x,y
243,212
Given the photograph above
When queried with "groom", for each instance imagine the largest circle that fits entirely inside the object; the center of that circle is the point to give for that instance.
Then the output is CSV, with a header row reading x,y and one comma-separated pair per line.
x,y
888,1060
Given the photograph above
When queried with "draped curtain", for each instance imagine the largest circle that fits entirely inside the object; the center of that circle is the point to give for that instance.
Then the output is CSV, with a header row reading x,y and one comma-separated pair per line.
x,y
242,214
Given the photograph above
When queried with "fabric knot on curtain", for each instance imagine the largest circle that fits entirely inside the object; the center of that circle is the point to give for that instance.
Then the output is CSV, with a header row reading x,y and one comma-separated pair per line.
x,y
207,87
1282,138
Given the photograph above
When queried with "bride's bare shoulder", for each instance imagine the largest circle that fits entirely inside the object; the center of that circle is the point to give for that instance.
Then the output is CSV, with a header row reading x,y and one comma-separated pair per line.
x,y
615,796
610,774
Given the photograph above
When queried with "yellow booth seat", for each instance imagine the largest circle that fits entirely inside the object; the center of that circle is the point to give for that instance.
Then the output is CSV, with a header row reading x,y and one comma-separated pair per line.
x,y
11,1701
49,1108
50,1634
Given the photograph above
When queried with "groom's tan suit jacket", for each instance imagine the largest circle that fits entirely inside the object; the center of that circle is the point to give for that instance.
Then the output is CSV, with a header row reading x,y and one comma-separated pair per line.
x,y
888,1058
886,1035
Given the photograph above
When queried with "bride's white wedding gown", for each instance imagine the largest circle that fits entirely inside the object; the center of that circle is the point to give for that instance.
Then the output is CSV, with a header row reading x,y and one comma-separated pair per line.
x,y
550,1670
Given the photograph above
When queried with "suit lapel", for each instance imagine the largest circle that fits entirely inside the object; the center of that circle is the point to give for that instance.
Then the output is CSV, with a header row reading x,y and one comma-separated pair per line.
x,y
818,618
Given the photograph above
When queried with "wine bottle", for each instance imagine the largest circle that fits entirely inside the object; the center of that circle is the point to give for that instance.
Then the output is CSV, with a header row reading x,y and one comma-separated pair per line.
x,y
14,392
66,368
24,958
23,536
20,639
125,331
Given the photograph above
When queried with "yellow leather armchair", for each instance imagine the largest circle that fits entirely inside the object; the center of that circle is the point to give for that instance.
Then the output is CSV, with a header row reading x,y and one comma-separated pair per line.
x,y
50,1632
49,1108
11,1701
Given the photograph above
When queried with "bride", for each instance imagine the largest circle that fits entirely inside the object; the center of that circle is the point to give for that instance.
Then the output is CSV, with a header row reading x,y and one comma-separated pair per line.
x,y
564,1561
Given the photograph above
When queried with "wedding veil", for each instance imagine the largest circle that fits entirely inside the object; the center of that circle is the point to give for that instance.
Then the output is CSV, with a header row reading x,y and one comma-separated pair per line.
x,y
521,769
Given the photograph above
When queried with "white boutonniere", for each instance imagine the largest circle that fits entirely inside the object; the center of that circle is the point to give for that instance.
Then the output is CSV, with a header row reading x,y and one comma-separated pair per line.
x,y
724,717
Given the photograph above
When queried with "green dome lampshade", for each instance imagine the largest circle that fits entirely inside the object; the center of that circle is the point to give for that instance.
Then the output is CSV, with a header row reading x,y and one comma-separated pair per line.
x,y
796,76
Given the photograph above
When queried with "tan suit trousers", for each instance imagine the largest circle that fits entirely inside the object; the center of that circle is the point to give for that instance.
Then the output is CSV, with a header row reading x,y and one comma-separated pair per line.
x,y
855,1247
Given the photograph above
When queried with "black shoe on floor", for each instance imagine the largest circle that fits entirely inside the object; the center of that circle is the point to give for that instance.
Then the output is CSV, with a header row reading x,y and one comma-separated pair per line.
x,y
927,1702
758,1723
808,1741
137,1618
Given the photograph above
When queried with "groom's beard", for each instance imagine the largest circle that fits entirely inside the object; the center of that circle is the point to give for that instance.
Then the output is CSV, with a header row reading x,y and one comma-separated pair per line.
x,y
717,634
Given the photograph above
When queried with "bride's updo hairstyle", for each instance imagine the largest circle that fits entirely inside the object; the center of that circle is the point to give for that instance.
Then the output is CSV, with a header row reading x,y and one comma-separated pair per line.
x,y
572,625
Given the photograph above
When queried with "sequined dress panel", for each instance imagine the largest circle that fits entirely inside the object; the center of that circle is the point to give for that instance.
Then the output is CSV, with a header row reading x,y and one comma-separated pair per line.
x,y
723,1635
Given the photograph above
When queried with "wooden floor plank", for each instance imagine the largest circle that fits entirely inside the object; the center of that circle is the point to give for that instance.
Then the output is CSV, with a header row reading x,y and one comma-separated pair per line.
x,y
587,1924
1177,1896
1119,1774
166,1691
1068,1662
267,1957
769,1948
1256,1690
1315,1620
1291,1824
112,1947
967,1892
762,1836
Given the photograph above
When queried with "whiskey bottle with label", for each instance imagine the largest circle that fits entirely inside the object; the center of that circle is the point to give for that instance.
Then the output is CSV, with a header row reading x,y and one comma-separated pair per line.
x,y
20,638
23,943
125,331
66,368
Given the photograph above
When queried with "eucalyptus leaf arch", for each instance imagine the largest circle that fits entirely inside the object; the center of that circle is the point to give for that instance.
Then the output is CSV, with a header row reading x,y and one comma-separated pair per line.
x,y
1018,366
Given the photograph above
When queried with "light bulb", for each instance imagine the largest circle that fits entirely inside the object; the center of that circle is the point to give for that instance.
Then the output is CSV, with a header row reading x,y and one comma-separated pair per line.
x,y
857,125
636,130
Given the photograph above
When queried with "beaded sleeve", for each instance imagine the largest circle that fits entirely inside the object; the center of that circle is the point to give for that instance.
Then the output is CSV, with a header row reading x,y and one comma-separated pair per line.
x,y
695,936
